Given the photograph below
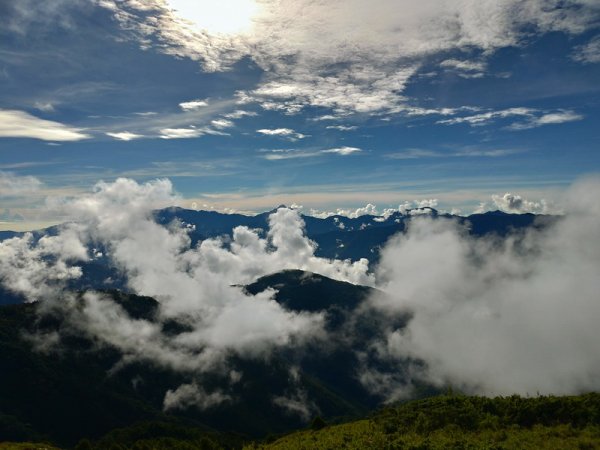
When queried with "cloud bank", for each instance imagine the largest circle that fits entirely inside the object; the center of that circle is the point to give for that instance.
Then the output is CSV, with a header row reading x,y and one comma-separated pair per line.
x,y
496,317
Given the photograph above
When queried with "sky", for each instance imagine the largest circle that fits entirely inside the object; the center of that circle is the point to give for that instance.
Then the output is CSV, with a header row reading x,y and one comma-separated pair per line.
x,y
328,104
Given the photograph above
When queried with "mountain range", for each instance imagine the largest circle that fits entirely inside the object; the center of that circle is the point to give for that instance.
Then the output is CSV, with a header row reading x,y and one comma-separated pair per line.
x,y
336,237
78,391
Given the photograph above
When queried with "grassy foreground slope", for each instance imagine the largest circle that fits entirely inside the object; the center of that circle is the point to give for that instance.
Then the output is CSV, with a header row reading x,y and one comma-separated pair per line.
x,y
461,422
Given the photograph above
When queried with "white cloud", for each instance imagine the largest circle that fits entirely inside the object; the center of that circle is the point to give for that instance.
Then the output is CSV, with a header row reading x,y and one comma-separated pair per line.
x,y
498,316
282,132
124,135
553,118
27,267
490,116
465,68
180,133
298,42
341,127
198,285
533,118
221,123
19,124
415,207
280,154
193,105
239,113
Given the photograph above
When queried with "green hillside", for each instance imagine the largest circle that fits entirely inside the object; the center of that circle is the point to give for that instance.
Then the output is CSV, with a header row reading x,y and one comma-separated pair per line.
x,y
460,422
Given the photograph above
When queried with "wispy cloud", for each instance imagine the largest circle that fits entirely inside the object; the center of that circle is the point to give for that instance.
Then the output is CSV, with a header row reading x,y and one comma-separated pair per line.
x,y
341,127
239,113
588,53
344,151
19,124
548,119
279,154
532,118
489,116
465,68
418,153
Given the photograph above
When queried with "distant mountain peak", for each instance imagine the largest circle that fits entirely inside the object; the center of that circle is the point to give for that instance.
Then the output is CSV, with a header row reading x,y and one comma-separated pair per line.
x,y
497,212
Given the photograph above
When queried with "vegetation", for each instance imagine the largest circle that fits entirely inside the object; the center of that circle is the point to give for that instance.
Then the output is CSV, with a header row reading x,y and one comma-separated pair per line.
x,y
461,422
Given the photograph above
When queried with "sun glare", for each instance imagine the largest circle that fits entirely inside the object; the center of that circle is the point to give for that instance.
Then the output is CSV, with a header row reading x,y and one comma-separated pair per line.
x,y
224,16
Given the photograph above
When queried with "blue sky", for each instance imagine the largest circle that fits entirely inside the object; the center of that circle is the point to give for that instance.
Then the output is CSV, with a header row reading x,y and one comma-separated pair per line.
x,y
328,104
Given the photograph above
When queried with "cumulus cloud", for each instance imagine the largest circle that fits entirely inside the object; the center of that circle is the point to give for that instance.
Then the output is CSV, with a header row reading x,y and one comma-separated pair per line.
x,y
37,269
368,209
497,316
19,124
415,207
512,203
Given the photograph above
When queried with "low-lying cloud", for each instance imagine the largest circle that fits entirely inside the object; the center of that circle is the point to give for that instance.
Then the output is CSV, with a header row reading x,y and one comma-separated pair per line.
x,y
197,286
497,316
488,315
